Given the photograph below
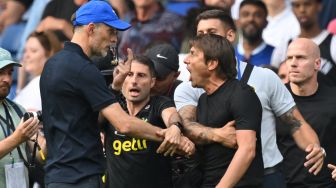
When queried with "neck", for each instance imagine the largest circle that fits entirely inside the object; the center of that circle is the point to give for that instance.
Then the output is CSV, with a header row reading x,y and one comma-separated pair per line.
x,y
306,89
134,108
146,13
213,84
275,8
82,41
310,32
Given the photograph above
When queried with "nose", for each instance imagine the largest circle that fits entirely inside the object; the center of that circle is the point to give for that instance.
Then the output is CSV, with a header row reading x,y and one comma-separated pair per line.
x,y
133,80
292,62
186,60
6,78
114,39
25,56
301,8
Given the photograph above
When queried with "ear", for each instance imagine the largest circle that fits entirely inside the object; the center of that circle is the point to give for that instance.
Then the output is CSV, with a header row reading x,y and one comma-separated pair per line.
x,y
231,35
177,74
153,82
90,28
212,64
317,64
266,23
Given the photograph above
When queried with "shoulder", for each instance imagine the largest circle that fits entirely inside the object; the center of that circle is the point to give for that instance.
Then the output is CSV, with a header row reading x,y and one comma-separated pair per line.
x,y
262,72
242,94
161,102
187,88
15,107
185,94
269,47
327,90
160,99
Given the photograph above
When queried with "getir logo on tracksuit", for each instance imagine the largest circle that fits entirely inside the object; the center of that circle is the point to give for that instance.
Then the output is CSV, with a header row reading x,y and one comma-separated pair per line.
x,y
128,145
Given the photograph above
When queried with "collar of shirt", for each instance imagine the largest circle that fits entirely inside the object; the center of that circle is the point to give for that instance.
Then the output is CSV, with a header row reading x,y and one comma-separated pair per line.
x,y
73,47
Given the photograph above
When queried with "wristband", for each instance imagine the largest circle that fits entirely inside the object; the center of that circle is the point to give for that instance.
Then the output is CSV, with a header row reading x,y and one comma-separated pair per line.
x,y
179,125
324,152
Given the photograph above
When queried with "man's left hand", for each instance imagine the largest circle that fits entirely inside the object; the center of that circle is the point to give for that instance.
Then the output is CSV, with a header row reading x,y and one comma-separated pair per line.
x,y
314,158
172,139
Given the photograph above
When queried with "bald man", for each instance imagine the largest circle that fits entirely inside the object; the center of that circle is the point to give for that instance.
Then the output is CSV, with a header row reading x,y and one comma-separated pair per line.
x,y
317,104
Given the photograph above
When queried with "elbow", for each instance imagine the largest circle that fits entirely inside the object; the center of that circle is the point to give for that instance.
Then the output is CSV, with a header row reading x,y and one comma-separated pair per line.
x,y
125,128
250,153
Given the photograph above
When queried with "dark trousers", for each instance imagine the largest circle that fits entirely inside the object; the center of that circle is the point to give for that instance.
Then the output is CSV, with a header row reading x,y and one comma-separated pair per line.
x,y
89,182
274,180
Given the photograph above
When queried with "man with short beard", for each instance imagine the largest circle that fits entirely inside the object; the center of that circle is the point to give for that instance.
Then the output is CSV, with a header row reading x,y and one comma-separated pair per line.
x,y
14,133
134,162
251,47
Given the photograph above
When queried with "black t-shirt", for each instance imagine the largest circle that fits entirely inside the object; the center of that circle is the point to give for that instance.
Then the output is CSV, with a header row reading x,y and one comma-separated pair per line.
x,y
133,162
319,111
231,101
73,92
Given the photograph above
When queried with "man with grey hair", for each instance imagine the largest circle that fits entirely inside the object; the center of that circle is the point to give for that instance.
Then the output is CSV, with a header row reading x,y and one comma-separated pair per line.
x,y
74,92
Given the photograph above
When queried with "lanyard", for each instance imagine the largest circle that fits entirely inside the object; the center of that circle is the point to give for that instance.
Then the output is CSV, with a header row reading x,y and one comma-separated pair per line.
x,y
8,121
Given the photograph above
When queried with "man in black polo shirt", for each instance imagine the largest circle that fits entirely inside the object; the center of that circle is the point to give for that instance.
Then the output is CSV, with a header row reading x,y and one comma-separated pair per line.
x,y
133,162
73,93
211,62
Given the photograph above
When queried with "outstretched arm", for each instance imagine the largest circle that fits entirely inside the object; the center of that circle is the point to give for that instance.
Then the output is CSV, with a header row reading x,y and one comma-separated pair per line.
x,y
306,138
130,125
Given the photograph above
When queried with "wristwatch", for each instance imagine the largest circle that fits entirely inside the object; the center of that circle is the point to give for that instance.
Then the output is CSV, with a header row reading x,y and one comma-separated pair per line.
x,y
179,125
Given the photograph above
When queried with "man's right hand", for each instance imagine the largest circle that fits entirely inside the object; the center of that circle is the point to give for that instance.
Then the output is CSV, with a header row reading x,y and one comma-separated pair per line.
x,y
226,135
187,147
120,72
333,173
26,129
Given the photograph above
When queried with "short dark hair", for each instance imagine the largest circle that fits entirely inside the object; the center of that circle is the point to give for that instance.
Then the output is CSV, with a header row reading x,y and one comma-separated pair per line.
x,y
142,59
48,41
218,48
257,3
222,15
